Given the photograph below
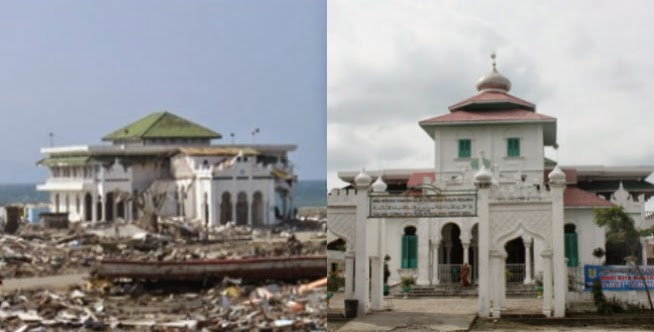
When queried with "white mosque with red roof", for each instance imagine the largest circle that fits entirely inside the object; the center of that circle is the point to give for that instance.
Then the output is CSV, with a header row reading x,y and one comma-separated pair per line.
x,y
492,201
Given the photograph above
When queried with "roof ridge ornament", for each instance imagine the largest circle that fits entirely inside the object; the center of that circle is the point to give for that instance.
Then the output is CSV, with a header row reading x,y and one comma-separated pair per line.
x,y
494,80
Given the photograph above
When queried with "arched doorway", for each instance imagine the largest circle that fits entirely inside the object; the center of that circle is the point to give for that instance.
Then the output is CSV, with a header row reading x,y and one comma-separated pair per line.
x,y
120,209
242,209
88,207
98,208
451,254
257,209
515,261
109,206
226,208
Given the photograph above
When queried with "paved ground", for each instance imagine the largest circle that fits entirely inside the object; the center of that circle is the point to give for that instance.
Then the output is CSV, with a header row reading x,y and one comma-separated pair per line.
x,y
416,314
52,282
457,314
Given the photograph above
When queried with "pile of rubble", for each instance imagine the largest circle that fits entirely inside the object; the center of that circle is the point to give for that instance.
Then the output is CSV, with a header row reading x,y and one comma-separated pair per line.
x,y
231,306
36,251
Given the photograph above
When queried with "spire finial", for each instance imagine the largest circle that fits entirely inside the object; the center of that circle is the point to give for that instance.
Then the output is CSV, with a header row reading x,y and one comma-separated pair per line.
x,y
493,56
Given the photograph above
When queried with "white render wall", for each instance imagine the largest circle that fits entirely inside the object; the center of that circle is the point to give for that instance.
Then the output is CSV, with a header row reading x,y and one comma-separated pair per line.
x,y
492,139
589,235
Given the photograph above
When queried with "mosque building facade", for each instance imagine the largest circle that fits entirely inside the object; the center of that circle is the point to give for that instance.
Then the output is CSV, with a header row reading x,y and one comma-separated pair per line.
x,y
492,201
171,162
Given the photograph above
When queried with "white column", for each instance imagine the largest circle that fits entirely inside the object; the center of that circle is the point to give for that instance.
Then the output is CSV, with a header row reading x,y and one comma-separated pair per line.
x,y
129,210
377,281
496,281
103,207
547,283
502,262
349,274
423,252
643,245
362,282
484,247
435,250
558,254
466,247
527,241
94,207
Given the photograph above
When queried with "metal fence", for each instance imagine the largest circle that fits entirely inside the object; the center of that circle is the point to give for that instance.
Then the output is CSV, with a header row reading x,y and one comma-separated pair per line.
x,y
576,277
449,273
515,273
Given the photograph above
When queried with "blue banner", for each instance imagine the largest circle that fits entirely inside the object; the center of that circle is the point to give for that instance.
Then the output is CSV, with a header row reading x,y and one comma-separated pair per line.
x,y
618,277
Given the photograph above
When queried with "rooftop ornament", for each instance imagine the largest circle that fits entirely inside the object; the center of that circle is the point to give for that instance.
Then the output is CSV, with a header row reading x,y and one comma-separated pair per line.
x,y
494,80
362,180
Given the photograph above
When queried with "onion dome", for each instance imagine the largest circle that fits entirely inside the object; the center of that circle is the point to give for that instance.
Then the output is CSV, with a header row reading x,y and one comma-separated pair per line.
x,y
483,176
494,80
557,175
379,186
362,180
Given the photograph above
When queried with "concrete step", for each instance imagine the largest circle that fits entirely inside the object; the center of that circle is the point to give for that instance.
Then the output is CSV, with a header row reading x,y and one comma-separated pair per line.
x,y
513,291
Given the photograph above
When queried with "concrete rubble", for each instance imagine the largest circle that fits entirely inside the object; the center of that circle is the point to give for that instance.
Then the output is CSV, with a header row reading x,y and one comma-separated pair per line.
x,y
105,306
35,251
130,305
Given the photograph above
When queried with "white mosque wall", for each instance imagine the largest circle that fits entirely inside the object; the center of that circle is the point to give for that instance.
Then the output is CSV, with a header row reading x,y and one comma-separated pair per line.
x,y
492,139
589,235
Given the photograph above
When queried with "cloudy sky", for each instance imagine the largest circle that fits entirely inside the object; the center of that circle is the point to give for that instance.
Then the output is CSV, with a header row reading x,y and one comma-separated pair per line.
x,y
81,69
394,63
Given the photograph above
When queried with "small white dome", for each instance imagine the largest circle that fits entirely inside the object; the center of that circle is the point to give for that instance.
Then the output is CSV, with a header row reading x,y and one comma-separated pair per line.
x,y
379,186
557,175
483,176
362,180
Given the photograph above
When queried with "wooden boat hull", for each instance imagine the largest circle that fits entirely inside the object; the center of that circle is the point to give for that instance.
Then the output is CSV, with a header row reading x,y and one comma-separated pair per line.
x,y
253,269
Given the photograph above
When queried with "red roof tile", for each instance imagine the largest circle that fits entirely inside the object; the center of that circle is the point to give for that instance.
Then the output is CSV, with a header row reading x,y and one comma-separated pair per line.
x,y
491,97
417,178
575,197
488,115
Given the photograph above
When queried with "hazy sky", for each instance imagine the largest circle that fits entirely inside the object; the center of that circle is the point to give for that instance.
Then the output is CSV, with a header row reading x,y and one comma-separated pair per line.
x,y
394,63
81,69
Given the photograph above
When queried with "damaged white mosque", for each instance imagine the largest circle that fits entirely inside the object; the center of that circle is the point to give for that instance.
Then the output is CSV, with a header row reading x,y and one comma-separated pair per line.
x,y
165,156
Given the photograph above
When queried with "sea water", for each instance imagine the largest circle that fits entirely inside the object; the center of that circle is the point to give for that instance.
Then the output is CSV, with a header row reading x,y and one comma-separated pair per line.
x,y
308,193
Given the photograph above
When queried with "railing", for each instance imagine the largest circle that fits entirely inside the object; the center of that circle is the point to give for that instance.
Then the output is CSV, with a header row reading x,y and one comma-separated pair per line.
x,y
576,277
515,273
449,273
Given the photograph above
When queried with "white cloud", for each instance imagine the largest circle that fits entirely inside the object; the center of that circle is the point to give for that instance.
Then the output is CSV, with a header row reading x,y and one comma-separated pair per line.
x,y
393,63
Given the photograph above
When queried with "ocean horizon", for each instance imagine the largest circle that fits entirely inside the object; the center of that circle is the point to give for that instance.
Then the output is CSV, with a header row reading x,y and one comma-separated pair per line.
x,y
308,193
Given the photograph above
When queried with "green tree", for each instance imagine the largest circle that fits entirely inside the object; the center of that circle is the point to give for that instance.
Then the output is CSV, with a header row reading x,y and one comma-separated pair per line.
x,y
621,228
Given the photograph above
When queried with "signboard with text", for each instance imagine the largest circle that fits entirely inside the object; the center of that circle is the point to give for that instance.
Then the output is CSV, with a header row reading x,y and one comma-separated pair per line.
x,y
424,206
618,277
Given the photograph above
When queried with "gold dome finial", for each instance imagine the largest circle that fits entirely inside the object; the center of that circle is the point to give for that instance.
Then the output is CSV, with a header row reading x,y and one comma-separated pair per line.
x,y
494,80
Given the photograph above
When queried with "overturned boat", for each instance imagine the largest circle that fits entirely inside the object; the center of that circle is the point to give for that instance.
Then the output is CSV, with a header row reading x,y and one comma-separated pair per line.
x,y
251,269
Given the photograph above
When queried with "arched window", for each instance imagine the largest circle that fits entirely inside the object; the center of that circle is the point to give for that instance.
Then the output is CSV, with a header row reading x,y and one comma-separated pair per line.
x,y
409,248
571,248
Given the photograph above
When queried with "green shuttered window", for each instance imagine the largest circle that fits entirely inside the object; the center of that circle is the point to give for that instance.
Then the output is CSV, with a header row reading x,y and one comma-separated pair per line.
x,y
465,148
409,252
571,250
513,147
